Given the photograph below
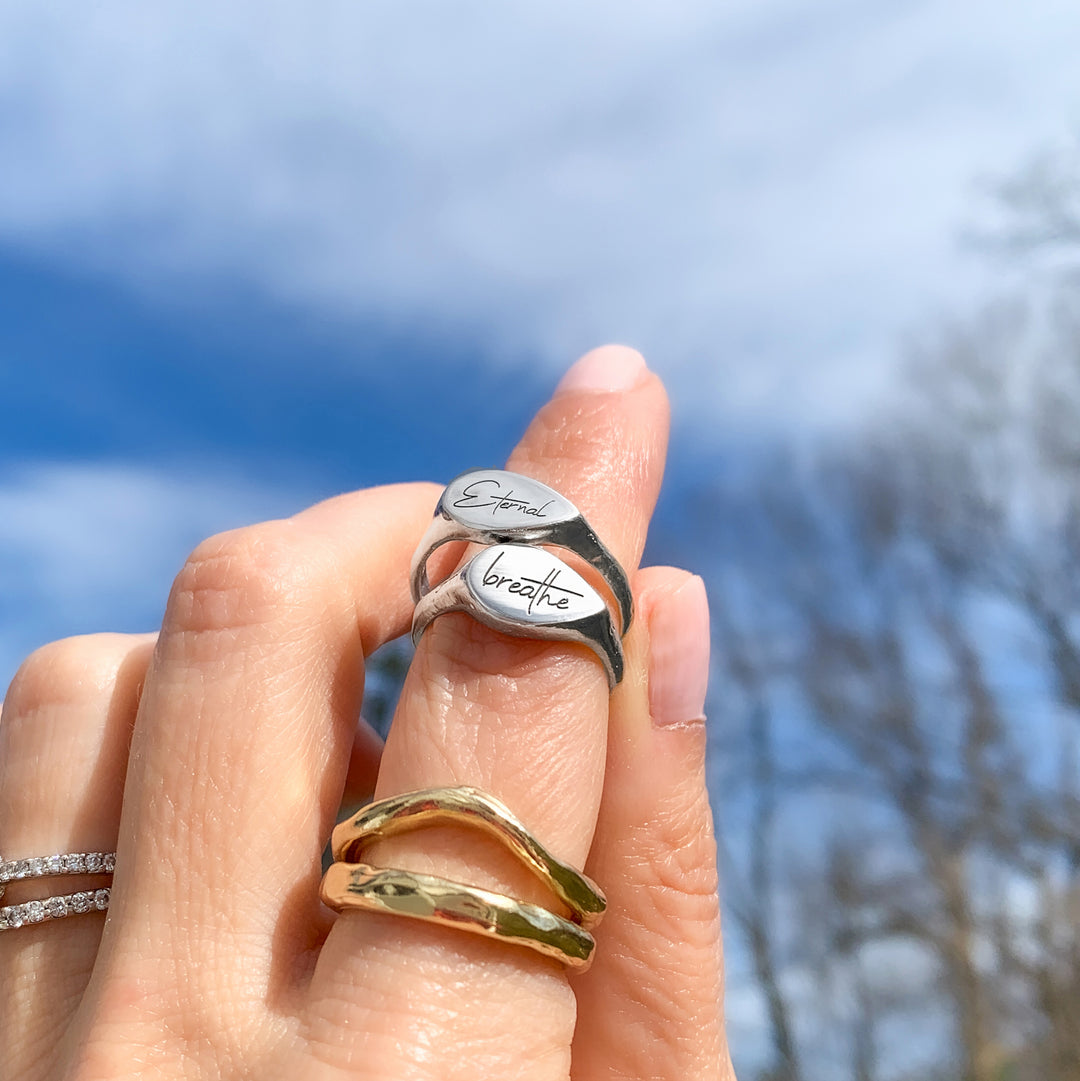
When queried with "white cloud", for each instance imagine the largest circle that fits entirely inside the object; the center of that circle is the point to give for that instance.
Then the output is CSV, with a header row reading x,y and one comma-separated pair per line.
x,y
95,547
761,195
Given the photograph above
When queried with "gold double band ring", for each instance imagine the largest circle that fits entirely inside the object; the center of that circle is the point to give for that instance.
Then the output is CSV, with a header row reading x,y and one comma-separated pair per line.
x,y
351,884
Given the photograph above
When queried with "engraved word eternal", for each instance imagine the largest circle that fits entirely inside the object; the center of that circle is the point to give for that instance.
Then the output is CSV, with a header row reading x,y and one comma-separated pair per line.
x,y
498,500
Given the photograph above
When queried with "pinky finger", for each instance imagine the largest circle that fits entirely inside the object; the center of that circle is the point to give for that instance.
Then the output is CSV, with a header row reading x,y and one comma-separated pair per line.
x,y
64,736
651,1006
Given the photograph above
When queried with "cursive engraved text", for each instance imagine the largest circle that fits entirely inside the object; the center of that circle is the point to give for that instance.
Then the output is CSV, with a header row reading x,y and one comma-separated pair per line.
x,y
497,499
545,593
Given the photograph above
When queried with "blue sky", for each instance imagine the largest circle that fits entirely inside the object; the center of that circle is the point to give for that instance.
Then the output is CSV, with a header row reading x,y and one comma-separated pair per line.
x,y
763,196
256,253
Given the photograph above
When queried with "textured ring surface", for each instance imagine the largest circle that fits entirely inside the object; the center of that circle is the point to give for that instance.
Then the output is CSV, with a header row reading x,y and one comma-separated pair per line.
x,y
495,506
470,806
453,904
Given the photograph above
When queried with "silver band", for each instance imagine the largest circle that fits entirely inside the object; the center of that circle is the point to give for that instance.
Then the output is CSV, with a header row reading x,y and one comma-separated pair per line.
x,y
13,917
68,863
495,506
529,593
54,908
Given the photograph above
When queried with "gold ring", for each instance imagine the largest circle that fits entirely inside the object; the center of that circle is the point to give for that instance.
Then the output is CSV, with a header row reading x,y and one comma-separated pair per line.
x,y
414,810
452,904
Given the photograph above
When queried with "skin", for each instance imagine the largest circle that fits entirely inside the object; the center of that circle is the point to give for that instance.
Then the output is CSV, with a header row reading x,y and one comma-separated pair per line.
x,y
214,757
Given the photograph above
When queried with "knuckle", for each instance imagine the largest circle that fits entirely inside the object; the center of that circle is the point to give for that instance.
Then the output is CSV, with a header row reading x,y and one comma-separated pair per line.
x,y
678,857
587,437
71,670
243,578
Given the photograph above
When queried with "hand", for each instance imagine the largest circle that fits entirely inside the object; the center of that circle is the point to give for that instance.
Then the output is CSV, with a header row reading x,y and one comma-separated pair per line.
x,y
213,758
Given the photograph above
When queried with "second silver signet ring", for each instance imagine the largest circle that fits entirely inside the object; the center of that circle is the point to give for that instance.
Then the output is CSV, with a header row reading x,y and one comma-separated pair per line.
x,y
495,506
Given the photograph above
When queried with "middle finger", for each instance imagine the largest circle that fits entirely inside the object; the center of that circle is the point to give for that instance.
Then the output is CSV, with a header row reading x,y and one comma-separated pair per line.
x,y
237,767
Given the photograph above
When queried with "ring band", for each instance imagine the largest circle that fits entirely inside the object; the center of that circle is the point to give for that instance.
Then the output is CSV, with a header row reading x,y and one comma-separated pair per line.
x,y
529,593
495,506
67,863
431,806
349,884
452,904
13,917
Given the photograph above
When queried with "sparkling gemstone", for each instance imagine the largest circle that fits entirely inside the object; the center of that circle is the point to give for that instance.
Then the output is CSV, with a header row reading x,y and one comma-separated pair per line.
x,y
54,865
56,907
22,868
101,900
110,862
82,902
95,862
15,916
35,911
74,863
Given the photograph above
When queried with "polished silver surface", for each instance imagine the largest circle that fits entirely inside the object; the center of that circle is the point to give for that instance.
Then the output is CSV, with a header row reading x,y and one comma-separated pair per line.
x,y
530,585
495,506
529,593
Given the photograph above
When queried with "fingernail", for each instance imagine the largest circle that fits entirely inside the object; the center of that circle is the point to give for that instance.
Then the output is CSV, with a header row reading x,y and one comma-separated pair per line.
x,y
679,654
604,371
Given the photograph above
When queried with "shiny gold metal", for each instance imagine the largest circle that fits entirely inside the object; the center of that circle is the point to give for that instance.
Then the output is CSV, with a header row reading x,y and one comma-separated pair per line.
x,y
470,806
452,904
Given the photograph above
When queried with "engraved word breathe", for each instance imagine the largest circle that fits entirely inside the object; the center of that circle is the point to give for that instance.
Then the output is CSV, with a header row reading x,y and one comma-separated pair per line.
x,y
543,592
497,499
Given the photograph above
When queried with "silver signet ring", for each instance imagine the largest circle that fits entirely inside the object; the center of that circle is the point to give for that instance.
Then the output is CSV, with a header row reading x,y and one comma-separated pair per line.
x,y
495,506
529,593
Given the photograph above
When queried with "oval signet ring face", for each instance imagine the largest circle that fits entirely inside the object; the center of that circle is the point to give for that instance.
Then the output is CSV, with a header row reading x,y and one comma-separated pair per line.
x,y
495,506
529,593
492,498
531,586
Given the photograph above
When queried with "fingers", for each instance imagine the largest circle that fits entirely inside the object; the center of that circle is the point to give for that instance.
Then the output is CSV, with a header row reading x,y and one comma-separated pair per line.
x,y
527,719
651,1004
240,752
363,769
526,722
239,759
63,751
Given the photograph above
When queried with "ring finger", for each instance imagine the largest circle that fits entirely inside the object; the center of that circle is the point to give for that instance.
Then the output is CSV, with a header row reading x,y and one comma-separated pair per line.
x,y
64,735
526,722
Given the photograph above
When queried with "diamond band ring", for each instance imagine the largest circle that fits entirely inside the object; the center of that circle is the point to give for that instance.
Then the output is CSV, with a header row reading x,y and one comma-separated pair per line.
x,y
495,506
68,863
529,593
54,908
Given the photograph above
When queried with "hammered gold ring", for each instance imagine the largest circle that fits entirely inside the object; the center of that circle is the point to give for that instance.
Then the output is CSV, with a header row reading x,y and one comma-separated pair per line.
x,y
470,806
453,904
349,883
